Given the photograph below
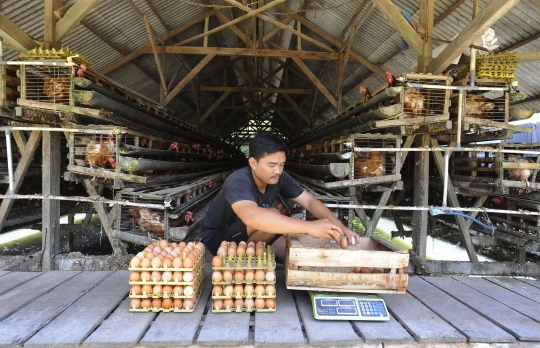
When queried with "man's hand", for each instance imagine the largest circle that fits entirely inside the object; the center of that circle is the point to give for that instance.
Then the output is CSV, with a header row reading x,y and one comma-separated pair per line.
x,y
325,229
352,237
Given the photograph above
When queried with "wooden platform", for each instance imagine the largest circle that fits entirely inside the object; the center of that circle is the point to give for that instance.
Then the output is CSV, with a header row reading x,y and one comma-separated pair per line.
x,y
90,309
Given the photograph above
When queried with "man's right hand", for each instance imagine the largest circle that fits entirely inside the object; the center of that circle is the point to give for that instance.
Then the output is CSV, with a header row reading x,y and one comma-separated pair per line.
x,y
325,229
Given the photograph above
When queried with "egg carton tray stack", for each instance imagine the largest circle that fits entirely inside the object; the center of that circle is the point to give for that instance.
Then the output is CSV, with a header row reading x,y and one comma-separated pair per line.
x,y
230,283
167,284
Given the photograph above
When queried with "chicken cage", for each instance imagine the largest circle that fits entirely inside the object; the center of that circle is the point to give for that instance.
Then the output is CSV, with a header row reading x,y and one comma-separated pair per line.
x,y
345,215
182,215
46,83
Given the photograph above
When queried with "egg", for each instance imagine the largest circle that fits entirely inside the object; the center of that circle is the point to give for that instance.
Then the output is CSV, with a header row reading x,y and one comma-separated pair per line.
x,y
188,262
250,275
217,290
157,290
248,290
177,262
170,257
188,290
167,290
228,290
239,303
178,303
270,289
259,290
146,303
142,254
259,244
242,243
178,291
136,289
259,251
163,243
166,276
270,276
156,276
250,251
222,251
188,303
188,276
218,305
156,250
377,270
135,262
156,262
251,244
173,245
151,246
249,303
365,270
259,303
343,242
241,251
260,275
168,249
146,262
224,243
227,275
238,276
146,276
135,303
177,250
146,290
135,276
231,252
167,263
228,303
238,290
163,253
167,303
182,244
174,254
200,246
216,261
156,303
177,276
217,276
270,303
233,244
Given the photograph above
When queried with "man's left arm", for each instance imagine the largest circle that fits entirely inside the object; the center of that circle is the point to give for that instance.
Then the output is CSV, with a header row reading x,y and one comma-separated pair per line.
x,y
320,211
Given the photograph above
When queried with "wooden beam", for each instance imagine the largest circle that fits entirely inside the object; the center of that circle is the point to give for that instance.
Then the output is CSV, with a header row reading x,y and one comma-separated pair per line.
x,y
254,89
285,119
49,23
353,17
214,106
255,108
315,81
140,51
396,19
426,21
297,108
188,78
486,18
523,42
448,11
51,208
156,56
233,27
15,37
73,16
276,30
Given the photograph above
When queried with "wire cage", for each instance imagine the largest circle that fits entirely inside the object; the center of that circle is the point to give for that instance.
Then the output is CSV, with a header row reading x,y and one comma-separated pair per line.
x,y
483,165
47,83
372,164
345,215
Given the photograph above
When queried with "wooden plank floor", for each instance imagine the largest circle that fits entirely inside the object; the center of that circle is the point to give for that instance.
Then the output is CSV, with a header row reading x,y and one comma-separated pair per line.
x,y
90,309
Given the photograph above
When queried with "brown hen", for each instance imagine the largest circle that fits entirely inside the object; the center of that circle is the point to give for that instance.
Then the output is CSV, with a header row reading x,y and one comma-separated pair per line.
x,y
413,102
57,88
99,154
368,164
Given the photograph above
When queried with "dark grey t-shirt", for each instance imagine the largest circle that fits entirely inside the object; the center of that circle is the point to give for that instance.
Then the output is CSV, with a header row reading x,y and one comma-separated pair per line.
x,y
240,186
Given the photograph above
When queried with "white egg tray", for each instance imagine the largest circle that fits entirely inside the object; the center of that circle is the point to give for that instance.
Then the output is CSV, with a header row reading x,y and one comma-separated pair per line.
x,y
174,310
200,272
198,263
266,261
199,280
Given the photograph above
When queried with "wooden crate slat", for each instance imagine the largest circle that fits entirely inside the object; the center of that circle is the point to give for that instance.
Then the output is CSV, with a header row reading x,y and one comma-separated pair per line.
x,y
312,257
12,280
518,286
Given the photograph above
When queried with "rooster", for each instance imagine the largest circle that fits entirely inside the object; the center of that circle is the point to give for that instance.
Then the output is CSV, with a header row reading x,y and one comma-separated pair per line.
x,y
81,70
98,154
390,79
413,102
522,174
365,92
368,164
57,88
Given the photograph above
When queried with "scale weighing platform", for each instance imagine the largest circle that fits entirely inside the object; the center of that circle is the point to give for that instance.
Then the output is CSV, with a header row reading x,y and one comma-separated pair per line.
x,y
348,306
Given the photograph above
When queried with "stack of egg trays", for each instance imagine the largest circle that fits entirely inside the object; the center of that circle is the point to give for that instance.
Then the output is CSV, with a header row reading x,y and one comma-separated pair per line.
x,y
234,263
197,284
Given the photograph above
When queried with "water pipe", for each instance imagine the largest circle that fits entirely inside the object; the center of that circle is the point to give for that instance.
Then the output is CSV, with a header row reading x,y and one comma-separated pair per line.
x,y
436,211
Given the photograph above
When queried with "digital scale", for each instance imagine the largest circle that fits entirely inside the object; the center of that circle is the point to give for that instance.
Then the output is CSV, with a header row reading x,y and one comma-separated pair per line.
x,y
348,306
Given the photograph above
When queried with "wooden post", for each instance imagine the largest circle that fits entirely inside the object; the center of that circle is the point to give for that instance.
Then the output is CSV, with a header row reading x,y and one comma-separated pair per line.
x,y
51,208
421,189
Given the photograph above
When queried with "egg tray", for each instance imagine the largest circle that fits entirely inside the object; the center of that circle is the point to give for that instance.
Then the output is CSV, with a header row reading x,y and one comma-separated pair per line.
x,y
246,262
243,309
161,309
198,263
199,283
200,272
233,296
233,282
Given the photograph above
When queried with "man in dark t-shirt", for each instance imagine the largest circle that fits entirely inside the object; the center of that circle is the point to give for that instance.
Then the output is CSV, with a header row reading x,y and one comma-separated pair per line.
x,y
240,211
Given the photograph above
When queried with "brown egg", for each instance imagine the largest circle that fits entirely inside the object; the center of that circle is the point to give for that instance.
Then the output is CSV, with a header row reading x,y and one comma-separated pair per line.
x,y
177,276
200,246
222,251
167,290
250,251
136,289
250,275
238,290
188,276
270,276
259,244
240,251
135,262
224,244
188,262
156,262
146,276
270,303
228,290
188,290
146,303
238,276
167,262
166,276
233,244
231,252
135,276
365,270
217,276
227,275
135,303
377,270
343,242
259,251
228,303
163,253
259,290
189,246
151,246
156,276
167,303
217,290
188,303
239,303
177,303
177,250
170,256
218,304
270,289
251,244
146,290
216,261
173,245
260,275
156,303
157,289
182,245
259,303
178,291
163,243
146,262
242,243
177,262
249,303
249,289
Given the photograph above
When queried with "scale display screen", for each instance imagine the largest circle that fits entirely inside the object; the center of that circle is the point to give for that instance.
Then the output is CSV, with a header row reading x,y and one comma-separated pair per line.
x,y
339,306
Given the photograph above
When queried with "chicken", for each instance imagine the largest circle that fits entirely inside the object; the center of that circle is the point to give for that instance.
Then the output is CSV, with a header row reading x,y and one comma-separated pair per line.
x,y
164,145
57,88
81,70
283,209
365,92
476,106
99,154
390,79
150,221
368,164
186,220
413,102
522,174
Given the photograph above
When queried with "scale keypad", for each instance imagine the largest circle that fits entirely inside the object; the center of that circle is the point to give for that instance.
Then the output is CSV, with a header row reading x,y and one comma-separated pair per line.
x,y
372,308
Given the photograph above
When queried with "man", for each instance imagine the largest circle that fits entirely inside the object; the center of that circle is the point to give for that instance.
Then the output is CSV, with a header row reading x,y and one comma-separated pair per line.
x,y
240,211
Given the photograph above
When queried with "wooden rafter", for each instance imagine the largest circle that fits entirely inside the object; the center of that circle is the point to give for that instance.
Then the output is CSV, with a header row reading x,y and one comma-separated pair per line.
x,y
73,16
214,106
14,37
233,27
315,81
156,56
49,23
489,15
426,21
297,108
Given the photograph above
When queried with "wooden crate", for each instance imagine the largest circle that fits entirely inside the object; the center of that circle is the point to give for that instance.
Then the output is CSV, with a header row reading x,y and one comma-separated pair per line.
x,y
319,265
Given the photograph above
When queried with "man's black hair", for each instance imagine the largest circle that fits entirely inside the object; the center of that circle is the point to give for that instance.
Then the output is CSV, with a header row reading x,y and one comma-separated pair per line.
x,y
265,143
